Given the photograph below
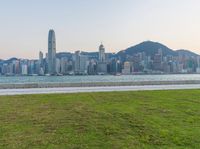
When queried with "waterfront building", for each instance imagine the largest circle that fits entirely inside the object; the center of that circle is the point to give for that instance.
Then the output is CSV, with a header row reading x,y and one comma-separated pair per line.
x,y
40,59
115,66
24,69
57,66
5,69
157,63
77,62
70,67
92,68
127,68
174,67
63,65
102,64
36,67
41,72
51,53
81,63
11,71
198,65
102,56
31,68
17,67
166,67
46,57
102,68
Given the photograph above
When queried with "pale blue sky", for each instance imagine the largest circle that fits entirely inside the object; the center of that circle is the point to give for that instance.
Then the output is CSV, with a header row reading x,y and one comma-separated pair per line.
x,y
83,24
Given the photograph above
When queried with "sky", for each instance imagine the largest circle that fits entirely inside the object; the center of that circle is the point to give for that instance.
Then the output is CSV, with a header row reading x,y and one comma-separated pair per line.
x,y
84,24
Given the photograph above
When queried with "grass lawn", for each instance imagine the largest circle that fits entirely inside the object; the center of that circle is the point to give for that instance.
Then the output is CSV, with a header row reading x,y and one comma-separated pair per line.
x,y
115,120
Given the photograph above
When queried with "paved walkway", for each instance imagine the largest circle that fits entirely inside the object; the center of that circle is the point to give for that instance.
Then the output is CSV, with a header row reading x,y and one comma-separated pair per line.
x,y
95,89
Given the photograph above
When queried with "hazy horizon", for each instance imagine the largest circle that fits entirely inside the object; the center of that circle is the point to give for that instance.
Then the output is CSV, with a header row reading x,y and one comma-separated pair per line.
x,y
83,25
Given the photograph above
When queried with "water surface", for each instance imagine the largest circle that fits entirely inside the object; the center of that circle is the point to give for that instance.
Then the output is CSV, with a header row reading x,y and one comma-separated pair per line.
x,y
87,79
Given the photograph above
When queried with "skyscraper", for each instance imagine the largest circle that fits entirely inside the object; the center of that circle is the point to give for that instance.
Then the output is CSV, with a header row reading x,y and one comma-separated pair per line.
x,y
102,57
77,62
40,58
102,64
81,64
51,52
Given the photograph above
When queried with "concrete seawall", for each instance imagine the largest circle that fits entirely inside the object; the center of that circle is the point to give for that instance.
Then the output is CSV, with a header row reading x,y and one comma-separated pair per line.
x,y
95,84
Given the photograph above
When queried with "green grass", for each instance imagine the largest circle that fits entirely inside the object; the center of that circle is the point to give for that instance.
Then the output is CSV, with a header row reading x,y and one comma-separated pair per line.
x,y
115,120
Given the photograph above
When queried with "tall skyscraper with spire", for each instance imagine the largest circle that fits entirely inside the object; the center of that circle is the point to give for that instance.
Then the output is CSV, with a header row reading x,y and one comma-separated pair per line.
x,y
52,52
102,57
102,64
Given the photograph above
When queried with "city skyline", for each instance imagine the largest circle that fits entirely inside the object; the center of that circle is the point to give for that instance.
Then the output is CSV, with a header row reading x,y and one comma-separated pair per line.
x,y
82,25
145,58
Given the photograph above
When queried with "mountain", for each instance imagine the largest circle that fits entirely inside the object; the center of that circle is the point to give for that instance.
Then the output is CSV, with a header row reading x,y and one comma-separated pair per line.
x,y
149,47
10,60
186,52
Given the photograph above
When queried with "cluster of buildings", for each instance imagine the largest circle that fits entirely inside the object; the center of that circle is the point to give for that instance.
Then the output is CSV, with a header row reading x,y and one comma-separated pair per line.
x,y
181,63
99,63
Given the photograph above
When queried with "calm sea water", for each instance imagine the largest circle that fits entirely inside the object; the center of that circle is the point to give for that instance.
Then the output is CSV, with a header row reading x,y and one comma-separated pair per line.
x,y
84,79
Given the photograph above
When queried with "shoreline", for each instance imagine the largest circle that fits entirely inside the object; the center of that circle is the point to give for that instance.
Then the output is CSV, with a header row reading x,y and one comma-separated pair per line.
x,y
67,90
96,84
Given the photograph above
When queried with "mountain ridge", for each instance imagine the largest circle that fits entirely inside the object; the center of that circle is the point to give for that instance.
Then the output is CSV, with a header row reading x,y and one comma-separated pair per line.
x,y
151,48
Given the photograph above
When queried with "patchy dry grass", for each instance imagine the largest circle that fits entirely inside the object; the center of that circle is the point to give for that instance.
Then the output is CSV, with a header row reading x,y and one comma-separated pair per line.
x,y
146,119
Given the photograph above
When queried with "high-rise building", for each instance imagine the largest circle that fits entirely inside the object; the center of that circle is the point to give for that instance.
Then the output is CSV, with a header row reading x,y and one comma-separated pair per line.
x,y
17,67
198,65
31,69
115,66
24,69
57,65
102,56
92,67
52,53
102,68
41,59
127,68
157,63
102,64
81,63
77,62
41,64
63,65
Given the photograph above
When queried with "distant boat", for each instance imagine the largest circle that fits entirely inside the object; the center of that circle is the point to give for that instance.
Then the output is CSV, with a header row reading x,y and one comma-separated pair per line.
x,y
59,74
101,73
71,73
118,74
